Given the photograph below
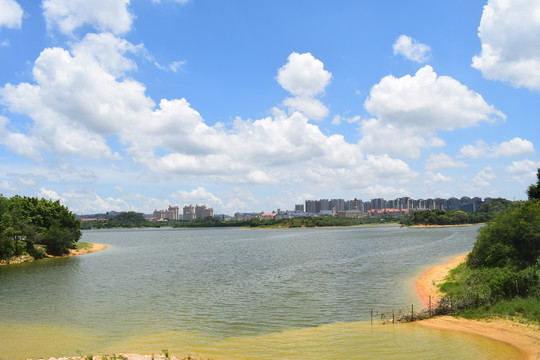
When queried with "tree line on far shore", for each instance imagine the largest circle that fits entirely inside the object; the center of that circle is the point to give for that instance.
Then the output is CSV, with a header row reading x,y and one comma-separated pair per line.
x,y
36,227
485,212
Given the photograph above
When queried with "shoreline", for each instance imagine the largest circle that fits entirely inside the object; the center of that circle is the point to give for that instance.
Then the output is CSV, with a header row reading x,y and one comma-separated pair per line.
x,y
524,338
442,226
95,248
27,258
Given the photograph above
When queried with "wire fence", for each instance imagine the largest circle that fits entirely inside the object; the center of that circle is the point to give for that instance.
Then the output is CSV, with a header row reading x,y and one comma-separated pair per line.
x,y
410,313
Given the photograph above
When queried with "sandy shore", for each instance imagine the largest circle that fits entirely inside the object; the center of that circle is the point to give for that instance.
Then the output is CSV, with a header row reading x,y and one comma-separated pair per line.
x,y
28,258
95,247
526,339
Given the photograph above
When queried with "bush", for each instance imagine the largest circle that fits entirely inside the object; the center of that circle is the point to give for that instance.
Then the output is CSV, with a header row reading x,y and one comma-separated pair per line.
x,y
511,239
58,240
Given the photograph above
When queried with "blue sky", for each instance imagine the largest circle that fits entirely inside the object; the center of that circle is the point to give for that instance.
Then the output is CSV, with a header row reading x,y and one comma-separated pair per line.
x,y
258,105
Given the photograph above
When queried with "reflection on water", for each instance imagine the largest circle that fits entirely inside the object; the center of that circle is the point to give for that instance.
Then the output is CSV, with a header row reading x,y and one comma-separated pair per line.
x,y
234,294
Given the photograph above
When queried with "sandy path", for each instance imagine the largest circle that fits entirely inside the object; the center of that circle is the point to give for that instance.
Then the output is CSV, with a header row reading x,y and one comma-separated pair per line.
x,y
523,337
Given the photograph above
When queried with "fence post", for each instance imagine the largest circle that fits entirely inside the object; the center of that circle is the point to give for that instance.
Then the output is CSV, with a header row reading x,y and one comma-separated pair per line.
x,y
412,312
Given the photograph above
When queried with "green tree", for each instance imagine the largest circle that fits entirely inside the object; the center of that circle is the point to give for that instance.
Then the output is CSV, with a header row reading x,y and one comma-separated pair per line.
x,y
58,240
533,192
25,221
511,239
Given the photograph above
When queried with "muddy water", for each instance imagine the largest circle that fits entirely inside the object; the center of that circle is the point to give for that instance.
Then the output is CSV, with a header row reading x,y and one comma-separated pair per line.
x,y
234,294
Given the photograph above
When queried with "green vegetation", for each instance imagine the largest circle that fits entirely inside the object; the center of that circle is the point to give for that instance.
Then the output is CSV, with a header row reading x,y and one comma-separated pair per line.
x,y
319,221
502,272
129,219
533,192
36,227
210,222
485,212
83,245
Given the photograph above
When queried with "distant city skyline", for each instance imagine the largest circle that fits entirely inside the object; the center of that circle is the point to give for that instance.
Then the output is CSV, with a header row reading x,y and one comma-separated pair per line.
x,y
110,105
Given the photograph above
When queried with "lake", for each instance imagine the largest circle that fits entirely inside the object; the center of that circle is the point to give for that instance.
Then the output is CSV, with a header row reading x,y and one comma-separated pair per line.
x,y
235,294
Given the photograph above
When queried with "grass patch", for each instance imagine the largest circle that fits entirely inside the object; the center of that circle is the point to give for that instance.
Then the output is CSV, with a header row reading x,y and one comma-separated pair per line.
x,y
493,292
83,245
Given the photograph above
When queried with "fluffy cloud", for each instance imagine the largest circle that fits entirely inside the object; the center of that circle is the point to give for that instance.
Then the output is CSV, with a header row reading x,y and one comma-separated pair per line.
x,y
428,102
411,49
77,99
523,171
511,148
87,202
411,109
484,177
309,106
49,194
510,34
197,196
436,178
338,119
81,97
388,192
303,75
10,14
381,137
442,161
103,15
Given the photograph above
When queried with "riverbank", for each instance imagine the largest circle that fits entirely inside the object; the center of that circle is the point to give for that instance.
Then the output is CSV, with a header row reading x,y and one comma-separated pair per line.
x,y
82,250
523,337
86,250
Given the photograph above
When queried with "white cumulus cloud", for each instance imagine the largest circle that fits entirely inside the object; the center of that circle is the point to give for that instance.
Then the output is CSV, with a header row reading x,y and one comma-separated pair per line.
x,y
410,110
436,178
443,161
511,148
81,97
523,171
303,75
484,176
429,102
309,106
11,14
197,196
402,141
49,194
412,49
510,34
103,15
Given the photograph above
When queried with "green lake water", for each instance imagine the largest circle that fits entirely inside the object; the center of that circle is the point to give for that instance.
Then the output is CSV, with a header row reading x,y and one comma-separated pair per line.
x,y
235,294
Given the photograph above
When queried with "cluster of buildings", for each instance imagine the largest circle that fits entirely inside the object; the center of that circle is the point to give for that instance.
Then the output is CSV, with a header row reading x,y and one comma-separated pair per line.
x,y
378,206
189,213
198,212
403,204
336,207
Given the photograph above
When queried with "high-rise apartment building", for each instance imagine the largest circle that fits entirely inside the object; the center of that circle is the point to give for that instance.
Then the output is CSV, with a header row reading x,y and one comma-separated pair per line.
x,y
173,213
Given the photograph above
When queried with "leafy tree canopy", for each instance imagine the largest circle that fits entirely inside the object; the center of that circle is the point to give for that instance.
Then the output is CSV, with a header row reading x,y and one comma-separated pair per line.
x,y
533,192
511,239
26,221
